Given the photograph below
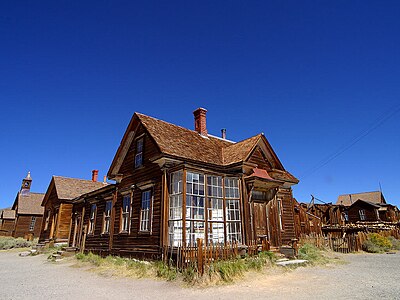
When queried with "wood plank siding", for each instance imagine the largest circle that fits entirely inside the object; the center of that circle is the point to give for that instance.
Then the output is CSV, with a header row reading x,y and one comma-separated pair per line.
x,y
23,223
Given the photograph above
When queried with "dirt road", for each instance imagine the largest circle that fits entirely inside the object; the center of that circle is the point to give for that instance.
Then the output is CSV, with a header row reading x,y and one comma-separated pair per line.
x,y
365,276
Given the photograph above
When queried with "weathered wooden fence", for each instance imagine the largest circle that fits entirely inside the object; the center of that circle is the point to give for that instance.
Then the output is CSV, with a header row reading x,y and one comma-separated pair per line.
x,y
345,244
200,256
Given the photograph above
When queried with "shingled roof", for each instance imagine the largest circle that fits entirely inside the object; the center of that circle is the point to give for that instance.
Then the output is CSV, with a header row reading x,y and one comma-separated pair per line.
x,y
29,204
184,144
70,188
372,197
8,214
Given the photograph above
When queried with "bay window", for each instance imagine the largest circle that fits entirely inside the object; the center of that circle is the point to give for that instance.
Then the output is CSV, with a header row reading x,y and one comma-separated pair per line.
x,y
211,202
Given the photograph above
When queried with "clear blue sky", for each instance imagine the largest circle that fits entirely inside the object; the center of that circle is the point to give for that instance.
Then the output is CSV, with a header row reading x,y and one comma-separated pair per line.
x,y
311,75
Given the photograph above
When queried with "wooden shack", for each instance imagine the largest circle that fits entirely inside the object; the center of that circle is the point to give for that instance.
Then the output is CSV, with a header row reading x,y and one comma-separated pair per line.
x,y
175,185
28,211
7,222
306,223
57,204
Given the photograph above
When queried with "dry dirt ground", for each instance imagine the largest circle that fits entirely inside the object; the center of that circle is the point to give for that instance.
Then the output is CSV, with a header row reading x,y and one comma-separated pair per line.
x,y
364,276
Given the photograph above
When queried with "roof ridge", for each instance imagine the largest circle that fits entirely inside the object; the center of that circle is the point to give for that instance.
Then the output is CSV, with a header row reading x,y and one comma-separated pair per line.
x,y
257,135
179,126
89,180
360,193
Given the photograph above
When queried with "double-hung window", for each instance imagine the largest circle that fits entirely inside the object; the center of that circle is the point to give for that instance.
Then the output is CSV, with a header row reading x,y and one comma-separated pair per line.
x,y
125,213
92,218
175,209
195,221
32,225
362,215
139,153
232,206
107,217
215,210
145,211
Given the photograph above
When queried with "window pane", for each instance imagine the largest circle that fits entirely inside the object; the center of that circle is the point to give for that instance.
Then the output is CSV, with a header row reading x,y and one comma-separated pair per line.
x,y
216,233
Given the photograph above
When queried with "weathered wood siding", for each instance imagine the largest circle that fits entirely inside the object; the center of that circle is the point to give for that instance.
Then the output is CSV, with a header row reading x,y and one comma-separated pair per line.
x,y
258,158
7,227
23,223
63,223
51,205
288,233
96,242
305,222
354,212
139,243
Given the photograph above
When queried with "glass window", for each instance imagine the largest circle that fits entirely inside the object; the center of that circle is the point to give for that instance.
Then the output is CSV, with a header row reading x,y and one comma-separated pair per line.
x,y
125,213
145,211
362,215
92,218
232,207
139,153
107,217
215,210
175,229
32,225
195,207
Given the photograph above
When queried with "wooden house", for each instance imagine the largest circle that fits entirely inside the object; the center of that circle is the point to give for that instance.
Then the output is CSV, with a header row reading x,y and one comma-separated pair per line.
x,y
175,185
7,222
362,210
28,211
57,204
368,206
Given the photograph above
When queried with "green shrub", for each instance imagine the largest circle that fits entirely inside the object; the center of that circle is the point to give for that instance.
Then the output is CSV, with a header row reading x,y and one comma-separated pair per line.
x,y
310,252
164,270
377,243
395,243
11,243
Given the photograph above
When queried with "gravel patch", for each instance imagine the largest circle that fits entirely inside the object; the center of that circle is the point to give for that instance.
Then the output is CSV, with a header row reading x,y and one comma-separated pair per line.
x,y
364,276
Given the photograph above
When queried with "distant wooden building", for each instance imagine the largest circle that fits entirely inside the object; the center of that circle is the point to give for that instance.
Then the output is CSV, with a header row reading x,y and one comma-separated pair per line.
x,y
28,210
57,204
368,206
176,185
7,222
329,214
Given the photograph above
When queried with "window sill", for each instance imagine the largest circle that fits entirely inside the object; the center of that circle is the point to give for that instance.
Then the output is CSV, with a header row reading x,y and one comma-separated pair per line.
x,y
139,167
105,234
123,233
144,233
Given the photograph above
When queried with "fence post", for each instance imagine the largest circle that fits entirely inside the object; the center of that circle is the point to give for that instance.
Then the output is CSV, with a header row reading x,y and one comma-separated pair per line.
x,y
200,256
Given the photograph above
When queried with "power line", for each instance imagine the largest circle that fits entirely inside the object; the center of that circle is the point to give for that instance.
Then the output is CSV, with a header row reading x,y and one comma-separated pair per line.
x,y
379,121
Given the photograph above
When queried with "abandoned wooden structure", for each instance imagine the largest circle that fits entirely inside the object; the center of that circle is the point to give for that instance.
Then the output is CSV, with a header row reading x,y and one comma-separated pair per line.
x,y
306,223
329,214
175,186
28,211
57,204
7,222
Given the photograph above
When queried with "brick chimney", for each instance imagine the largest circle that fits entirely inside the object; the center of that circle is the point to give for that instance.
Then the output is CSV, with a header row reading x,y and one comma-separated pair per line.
x,y
95,173
223,133
200,121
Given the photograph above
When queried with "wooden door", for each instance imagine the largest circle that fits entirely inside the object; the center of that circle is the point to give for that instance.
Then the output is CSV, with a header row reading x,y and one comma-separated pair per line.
x,y
260,220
